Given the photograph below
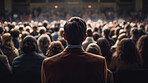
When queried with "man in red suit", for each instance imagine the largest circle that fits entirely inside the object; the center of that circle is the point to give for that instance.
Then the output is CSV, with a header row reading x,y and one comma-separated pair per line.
x,y
74,65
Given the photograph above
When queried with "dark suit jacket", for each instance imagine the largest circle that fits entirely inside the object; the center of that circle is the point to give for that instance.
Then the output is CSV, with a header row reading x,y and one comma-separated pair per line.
x,y
74,65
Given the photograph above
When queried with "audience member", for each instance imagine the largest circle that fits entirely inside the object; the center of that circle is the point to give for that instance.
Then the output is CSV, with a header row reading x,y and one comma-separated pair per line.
x,y
106,32
126,56
96,35
8,47
15,37
134,34
6,75
43,42
27,67
54,48
94,48
142,45
55,34
105,49
74,65
89,39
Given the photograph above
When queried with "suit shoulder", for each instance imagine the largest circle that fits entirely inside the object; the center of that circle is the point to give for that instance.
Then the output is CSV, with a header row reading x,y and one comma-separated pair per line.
x,y
53,58
96,57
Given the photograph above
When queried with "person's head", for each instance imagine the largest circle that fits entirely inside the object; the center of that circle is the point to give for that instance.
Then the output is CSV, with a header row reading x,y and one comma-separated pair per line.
x,y
105,48
128,28
142,27
111,32
106,32
54,48
142,45
7,40
75,31
134,32
117,31
57,27
43,42
95,29
127,52
45,24
64,43
89,32
35,28
29,45
96,35
14,33
93,48
42,30
141,32
24,34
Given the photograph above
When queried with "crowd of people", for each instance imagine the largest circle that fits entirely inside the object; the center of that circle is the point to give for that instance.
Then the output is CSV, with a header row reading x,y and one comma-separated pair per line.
x,y
105,14
74,51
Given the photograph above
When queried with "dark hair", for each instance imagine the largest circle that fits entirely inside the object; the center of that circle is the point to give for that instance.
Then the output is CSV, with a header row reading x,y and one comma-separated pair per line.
x,y
134,32
89,32
14,33
105,48
1,30
95,29
127,51
29,44
57,27
142,45
75,30
117,31
96,35
106,32
142,27
141,32
45,25
64,43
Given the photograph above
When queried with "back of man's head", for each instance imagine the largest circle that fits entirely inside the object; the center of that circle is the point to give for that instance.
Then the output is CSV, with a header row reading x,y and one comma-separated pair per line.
x,y
75,31
106,32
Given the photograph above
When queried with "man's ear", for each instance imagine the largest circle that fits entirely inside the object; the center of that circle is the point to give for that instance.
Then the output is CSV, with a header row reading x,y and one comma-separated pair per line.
x,y
64,36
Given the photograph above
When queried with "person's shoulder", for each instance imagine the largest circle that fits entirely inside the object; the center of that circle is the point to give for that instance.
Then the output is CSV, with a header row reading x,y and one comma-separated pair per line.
x,y
95,57
52,59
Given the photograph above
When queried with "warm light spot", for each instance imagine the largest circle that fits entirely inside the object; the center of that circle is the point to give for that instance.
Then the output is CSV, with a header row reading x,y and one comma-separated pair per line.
x,y
56,6
89,6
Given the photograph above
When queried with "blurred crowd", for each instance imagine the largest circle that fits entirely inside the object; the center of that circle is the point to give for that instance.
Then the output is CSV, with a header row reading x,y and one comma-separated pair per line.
x,y
39,14
27,39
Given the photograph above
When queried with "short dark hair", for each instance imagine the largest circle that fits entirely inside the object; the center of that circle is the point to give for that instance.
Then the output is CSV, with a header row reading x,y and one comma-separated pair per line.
x,y
134,32
89,32
106,32
75,30
14,33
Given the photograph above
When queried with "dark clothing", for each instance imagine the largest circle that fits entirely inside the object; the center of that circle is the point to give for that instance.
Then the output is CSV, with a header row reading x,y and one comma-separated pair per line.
x,y
74,65
16,43
111,41
5,70
27,68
